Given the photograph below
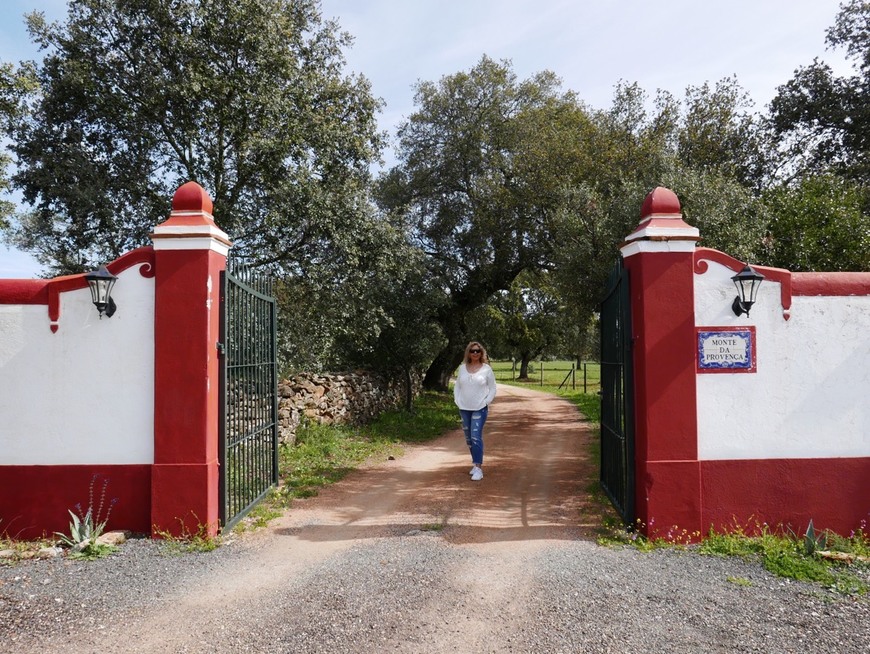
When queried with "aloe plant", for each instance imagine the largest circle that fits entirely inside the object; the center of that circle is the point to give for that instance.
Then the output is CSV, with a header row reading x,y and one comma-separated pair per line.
x,y
814,542
86,527
83,531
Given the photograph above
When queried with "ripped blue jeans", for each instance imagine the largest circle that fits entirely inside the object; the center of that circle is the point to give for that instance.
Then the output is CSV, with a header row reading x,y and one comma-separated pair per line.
x,y
472,425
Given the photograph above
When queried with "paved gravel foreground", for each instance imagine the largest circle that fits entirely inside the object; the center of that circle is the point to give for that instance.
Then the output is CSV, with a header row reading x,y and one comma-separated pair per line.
x,y
419,593
361,569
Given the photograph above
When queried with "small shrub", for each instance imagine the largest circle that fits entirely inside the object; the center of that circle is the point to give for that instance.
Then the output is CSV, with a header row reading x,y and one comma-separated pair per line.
x,y
199,541
858,542
87,526
730,543
266,510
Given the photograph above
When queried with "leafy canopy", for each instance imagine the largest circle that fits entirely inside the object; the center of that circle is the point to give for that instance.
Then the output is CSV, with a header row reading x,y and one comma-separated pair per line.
x,y
246,97
822,122
480,164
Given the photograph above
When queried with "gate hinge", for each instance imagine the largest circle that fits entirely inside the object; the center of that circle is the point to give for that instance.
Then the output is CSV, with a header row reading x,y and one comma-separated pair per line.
x,y
220,347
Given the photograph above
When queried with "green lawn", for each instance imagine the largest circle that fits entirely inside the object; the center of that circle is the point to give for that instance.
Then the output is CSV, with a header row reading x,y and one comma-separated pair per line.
x,y
557,377
552,374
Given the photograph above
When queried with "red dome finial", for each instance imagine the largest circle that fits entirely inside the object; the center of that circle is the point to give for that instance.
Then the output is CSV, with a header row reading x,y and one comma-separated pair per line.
x,y
660,201
192,197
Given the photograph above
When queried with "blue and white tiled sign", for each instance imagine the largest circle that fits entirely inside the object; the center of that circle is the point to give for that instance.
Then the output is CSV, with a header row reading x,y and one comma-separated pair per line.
x,y
726,349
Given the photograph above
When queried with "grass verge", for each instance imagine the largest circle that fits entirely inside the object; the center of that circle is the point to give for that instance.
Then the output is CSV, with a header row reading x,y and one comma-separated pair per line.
x,y
838,567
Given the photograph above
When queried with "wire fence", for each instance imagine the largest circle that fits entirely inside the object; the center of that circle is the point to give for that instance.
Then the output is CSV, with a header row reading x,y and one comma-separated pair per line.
x,y
553,374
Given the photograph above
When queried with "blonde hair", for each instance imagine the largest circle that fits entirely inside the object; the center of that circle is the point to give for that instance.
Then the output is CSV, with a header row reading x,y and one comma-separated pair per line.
x,y
483,356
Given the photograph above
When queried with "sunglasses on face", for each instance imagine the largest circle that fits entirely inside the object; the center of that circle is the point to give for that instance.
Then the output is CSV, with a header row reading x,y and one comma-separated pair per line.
x,y
474,351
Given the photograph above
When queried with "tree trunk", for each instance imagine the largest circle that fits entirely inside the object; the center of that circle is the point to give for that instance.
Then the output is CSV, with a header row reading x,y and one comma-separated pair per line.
x,y
409,391
524,366
438,375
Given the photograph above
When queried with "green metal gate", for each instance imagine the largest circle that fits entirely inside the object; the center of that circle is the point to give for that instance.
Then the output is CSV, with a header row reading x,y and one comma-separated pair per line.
x,y
617,398
248,429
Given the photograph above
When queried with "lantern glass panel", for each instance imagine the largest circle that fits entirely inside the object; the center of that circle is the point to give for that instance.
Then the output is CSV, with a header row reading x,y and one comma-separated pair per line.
x,y
753,290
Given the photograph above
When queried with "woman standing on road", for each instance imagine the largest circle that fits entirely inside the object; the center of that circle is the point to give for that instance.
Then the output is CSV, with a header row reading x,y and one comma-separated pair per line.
x,y
473,392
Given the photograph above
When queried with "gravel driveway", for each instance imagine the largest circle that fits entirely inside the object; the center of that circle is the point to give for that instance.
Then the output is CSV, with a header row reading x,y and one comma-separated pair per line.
x,y
411,556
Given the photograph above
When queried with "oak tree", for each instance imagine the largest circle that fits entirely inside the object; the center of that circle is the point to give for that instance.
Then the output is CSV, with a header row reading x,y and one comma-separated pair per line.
x,y
247,97
479,174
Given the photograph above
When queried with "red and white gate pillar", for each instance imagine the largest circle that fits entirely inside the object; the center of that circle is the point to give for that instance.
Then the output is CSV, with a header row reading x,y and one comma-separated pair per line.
x,y
190,252
659,258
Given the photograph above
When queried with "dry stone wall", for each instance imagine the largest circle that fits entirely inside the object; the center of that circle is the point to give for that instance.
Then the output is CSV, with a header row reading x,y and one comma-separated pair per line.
x,y
344,398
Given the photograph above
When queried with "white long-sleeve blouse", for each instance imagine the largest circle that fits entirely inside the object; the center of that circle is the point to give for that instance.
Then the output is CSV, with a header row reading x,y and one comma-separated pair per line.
x,y
473,391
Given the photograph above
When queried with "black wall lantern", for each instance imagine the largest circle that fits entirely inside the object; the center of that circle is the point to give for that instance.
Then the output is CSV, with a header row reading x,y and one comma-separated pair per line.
x,y
747,282
101,283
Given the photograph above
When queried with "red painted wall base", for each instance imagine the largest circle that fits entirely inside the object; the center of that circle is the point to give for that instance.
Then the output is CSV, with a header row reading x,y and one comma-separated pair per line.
x,y
35,500
669,499
833,493
185,499
683,500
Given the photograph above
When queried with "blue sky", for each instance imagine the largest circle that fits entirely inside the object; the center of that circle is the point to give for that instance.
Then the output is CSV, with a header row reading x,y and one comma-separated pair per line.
x,y
590,44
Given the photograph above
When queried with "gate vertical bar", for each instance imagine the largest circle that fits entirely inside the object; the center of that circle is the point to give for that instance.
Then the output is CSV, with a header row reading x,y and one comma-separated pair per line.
x,y
222,401
274,368
617,397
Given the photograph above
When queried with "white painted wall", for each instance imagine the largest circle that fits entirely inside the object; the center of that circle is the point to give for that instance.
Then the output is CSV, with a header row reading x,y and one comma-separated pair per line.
x,y
85,394
810,397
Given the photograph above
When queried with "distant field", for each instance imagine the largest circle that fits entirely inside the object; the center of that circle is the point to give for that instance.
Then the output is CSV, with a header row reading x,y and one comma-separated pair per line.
x,y
551,374
557,377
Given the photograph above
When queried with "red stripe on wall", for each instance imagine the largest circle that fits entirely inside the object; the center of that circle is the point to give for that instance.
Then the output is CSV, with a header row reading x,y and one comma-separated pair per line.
x,y
35,500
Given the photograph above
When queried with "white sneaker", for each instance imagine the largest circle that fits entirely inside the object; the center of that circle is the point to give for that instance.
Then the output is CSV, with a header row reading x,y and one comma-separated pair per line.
x,y
473,468
476,474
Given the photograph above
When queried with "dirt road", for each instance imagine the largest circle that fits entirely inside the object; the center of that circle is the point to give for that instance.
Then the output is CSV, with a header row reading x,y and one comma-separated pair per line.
x,y
535,464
